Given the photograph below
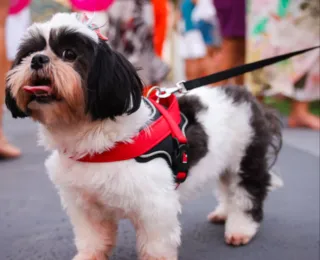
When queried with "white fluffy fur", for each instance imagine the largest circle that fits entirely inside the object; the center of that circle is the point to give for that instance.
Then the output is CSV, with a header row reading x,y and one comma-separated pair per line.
x,y
96,196
60,20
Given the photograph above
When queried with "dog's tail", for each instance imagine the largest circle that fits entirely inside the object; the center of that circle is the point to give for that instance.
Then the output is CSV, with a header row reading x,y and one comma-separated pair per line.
x,y
275,144
274,125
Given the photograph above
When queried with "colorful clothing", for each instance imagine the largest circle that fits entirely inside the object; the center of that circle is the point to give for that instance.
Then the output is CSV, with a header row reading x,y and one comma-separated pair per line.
x,y
191,43
207,32
17,6
204,18
130,32
231,15
280,26
43,10
160,10
187,7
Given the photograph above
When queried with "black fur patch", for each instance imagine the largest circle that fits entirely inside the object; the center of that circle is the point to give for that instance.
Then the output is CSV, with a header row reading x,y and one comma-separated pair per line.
x,y
111,84
12,105
33,43
190,106
238,94
114,87
254,169
64,38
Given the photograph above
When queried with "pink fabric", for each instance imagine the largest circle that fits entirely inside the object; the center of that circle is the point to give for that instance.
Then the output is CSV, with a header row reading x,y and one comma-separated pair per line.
x,y
91,5
17,5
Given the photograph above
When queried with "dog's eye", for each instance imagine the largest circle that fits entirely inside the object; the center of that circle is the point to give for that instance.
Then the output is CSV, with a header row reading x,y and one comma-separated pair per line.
x,y
69,55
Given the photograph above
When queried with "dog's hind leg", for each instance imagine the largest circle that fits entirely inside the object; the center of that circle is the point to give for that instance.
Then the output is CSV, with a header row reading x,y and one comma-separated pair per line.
x,y
244,216
247,191
219,215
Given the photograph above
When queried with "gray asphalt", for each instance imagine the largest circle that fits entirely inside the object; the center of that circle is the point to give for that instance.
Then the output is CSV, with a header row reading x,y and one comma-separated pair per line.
x,y
34,227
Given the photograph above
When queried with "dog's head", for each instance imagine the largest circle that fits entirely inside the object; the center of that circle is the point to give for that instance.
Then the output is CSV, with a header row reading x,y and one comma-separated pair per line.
x,y
64,72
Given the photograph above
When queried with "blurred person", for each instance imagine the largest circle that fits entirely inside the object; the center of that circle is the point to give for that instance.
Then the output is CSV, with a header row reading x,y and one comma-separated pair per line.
x,y
95,9
192,46
231,17
281,26
131,32
204,17
160,11
42,10
14,19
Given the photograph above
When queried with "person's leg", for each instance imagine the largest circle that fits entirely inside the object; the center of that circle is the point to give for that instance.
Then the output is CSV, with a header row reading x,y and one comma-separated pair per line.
x,y
211,49
193,68
300,116
232,54
208,62
231,16
6,150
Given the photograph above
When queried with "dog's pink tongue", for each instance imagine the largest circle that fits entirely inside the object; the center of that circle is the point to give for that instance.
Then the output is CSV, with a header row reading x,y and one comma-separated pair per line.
x,y
38,89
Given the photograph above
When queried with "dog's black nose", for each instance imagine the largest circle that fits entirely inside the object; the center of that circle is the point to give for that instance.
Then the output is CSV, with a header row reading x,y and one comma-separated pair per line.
x,y
38,61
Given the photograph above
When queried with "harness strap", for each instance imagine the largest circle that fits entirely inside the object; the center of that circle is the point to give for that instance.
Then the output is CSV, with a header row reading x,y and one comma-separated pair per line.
x,y
180,161
175,130
230,73
146,139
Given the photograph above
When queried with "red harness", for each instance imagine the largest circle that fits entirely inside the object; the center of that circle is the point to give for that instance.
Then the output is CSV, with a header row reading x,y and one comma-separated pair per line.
x,y
167,124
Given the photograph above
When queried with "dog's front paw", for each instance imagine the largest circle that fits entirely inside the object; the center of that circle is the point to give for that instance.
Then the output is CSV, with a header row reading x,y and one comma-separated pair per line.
x,y
219,215
237,239
147,257
240,229
91,256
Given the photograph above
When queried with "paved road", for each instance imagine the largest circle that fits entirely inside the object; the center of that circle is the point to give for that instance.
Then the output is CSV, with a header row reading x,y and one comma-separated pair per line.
x,y
33,226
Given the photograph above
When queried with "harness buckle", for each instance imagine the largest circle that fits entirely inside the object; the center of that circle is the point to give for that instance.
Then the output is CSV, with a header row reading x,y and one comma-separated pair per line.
x,y
180,163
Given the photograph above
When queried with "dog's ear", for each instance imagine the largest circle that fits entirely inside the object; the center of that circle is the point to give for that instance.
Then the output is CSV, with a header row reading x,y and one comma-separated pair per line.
x,y
114,87
12,105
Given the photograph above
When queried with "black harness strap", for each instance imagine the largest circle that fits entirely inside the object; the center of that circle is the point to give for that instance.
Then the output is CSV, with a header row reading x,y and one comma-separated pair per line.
x,y
230,73
168,149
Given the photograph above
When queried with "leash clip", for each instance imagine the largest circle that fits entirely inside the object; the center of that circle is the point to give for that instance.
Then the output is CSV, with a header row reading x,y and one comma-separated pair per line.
x,y
161,92
180,86
166,92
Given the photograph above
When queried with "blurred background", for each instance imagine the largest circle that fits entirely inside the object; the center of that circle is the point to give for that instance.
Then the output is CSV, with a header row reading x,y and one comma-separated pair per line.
x,y
173,41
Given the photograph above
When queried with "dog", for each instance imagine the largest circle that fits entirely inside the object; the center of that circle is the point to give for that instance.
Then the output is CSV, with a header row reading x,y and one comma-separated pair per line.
x,y
87,98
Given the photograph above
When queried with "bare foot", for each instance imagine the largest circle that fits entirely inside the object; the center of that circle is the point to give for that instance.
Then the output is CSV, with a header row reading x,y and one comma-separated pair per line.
x,y
7,150
304,120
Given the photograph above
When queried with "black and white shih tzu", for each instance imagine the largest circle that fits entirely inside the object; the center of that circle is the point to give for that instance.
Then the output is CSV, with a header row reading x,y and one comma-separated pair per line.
x,y
88,97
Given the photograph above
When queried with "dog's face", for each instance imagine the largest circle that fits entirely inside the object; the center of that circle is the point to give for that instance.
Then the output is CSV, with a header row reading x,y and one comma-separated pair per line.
x,y
64,72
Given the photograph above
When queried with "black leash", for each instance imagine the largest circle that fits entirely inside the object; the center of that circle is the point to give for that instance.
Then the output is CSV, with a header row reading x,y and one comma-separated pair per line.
x,y
230,73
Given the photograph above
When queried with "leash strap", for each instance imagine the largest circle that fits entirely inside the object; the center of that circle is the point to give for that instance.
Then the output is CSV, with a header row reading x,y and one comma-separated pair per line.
x,y
230,73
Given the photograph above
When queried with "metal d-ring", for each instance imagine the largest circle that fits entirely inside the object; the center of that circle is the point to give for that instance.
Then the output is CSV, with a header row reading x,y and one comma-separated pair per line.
x,y
151,90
